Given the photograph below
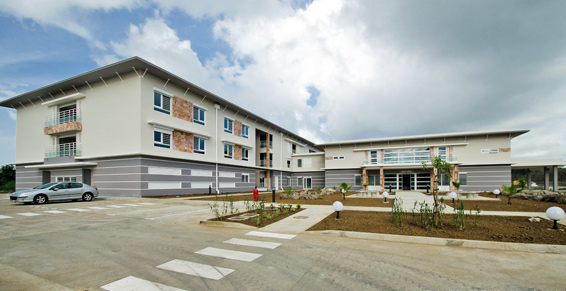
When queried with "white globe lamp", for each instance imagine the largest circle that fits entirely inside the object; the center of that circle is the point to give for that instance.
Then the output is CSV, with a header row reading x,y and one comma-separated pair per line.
x,y
452,195
555,213
385,195
496,192
337,207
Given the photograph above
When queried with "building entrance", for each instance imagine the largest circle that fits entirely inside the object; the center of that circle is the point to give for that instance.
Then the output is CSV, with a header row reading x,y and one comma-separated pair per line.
x,y
406,182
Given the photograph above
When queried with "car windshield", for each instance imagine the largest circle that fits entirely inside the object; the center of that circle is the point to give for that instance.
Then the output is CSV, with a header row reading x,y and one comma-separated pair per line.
x,y
45,186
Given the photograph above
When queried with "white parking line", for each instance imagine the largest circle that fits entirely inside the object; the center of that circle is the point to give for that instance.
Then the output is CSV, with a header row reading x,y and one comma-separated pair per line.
x,y
271,234
54,211
4,217
146,203
29,214
97,208
228,254
176,214
132,283
131,205
252,243
115,206
195,269
78,209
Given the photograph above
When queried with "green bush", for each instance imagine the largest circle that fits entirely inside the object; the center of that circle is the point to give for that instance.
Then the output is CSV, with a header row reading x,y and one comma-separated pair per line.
x,y
10,186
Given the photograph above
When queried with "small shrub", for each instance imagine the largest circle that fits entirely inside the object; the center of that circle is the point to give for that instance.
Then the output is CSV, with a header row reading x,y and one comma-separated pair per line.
x,y
298,206
460,215
397,211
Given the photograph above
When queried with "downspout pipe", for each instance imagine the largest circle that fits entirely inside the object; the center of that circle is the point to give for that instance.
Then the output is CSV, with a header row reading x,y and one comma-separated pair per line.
x,y
216,107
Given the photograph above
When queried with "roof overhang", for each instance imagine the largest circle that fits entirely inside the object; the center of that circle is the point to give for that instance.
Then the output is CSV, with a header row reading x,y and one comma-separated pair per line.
x,y
62,165
535,163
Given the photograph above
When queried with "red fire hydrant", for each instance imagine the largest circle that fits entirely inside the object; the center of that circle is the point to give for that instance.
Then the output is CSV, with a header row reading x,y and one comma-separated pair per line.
x,y
256,194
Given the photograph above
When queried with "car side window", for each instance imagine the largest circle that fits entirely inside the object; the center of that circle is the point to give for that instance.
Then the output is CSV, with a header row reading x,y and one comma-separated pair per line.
x,y
76,185
62,186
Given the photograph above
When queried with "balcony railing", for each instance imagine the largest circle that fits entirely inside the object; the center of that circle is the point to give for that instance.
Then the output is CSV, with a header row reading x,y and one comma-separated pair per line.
x,y
263,163
64,150
263,144
401,161
63,117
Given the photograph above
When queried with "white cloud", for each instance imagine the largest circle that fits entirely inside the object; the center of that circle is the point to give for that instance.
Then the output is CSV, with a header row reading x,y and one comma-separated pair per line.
x,y
12,115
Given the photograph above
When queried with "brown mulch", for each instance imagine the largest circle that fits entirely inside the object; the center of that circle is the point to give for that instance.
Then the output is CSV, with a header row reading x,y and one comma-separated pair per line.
x,y
517,204
490,228
323,200
263,220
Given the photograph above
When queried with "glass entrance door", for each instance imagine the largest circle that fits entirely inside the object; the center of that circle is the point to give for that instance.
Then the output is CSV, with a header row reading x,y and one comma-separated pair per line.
x,y
307,183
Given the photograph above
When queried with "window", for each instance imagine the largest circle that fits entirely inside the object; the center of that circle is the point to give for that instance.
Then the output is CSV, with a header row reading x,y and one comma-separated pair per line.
x,y
288,181
463,179
288,164
442,153
198,115
443,180
373,180
198,145
358,180
373,155
161,103
228,125
161,139
245,178
299,163
407,156
338,158
67,179
245,154
294,149
245,131
228,151
300,181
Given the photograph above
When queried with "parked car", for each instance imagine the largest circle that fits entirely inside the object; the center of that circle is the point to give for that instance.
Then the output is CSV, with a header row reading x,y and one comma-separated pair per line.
x,y
55,192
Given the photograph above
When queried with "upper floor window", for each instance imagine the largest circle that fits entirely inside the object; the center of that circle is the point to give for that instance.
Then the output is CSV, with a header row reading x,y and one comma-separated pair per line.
x,y
373,156
198,115
161,138
245,154
228,125
198,145
288,163
299,163
161,102
245,130
442,153
228,150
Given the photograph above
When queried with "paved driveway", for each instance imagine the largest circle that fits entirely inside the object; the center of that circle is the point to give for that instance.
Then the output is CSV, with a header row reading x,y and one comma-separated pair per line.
x,y
159,243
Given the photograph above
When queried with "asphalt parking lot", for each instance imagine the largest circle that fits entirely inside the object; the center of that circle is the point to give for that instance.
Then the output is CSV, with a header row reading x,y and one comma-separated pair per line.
x,y
127,243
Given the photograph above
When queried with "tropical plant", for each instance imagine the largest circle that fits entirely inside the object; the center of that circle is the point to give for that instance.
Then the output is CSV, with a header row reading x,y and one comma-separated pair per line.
x,y
522,184
510,190
437,166
345,188
365,185
457,185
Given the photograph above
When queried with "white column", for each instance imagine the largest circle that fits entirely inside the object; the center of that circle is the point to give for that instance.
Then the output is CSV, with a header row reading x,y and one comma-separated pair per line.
x,y
546,178
555,178
529,179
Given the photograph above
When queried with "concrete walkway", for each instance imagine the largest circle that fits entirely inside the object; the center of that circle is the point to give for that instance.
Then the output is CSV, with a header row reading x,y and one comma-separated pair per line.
x,y
410,197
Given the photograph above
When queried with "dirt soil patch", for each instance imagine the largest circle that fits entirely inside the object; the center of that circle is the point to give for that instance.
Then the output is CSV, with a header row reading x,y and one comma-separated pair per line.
x,y
517,204
264,219
489,228
323,200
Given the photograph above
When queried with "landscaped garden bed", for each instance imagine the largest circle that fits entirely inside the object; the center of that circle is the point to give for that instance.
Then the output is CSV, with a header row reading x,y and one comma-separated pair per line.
x,y
489,228
257,214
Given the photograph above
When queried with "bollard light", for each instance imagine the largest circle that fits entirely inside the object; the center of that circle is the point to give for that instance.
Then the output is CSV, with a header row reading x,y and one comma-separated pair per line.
x,y
337,207
385,195
496,192
555,213
453,196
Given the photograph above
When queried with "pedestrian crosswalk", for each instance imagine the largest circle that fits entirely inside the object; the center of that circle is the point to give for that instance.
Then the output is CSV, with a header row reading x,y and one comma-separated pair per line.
x,y
203,270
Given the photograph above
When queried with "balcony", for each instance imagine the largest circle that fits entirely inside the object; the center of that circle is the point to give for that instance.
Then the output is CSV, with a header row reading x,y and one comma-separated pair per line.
x,y
63,121
64,150
404,161
263,144
263,163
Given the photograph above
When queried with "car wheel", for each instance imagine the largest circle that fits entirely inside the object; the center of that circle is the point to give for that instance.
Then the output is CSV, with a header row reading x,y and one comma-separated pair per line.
x,y
40,199
87,197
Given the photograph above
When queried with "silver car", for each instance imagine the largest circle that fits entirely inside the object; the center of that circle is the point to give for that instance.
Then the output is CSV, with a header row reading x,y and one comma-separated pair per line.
x,y
55,192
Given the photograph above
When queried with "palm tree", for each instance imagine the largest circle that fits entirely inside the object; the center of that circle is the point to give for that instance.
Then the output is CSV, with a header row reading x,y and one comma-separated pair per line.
x,y
510,190
345,188
522,184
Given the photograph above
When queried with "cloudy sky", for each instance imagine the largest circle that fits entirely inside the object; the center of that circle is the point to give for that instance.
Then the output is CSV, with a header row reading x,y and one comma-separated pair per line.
x,y
326,69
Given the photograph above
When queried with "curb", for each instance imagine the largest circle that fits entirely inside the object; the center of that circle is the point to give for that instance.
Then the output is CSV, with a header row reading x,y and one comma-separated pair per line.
x,y
227,224
520,247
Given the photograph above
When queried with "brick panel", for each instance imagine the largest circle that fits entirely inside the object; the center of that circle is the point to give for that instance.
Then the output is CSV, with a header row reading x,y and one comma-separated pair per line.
x,y
182,109
237,128
237,152
182,141
62,127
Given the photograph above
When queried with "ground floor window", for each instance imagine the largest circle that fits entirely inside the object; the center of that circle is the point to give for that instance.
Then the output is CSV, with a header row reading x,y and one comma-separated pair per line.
x,y
288,181
443,180
245,178
463,179
66,179
300,181
307,183
358,180
373,180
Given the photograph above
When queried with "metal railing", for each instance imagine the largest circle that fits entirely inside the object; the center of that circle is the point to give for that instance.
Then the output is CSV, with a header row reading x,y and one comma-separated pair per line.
x,y
263,163
71,149
263,144
403,161
63,117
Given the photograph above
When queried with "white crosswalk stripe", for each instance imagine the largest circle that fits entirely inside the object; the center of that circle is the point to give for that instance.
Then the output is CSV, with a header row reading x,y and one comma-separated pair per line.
x,y
131,205
97,208
55,211
271,234
132,283
29,214
4,217
228,254
252,243
196,269
78,209
115,206
146,203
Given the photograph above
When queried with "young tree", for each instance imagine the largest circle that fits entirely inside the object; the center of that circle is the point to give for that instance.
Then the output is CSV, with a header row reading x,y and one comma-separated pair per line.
x,y
437,166
345,187
510,190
